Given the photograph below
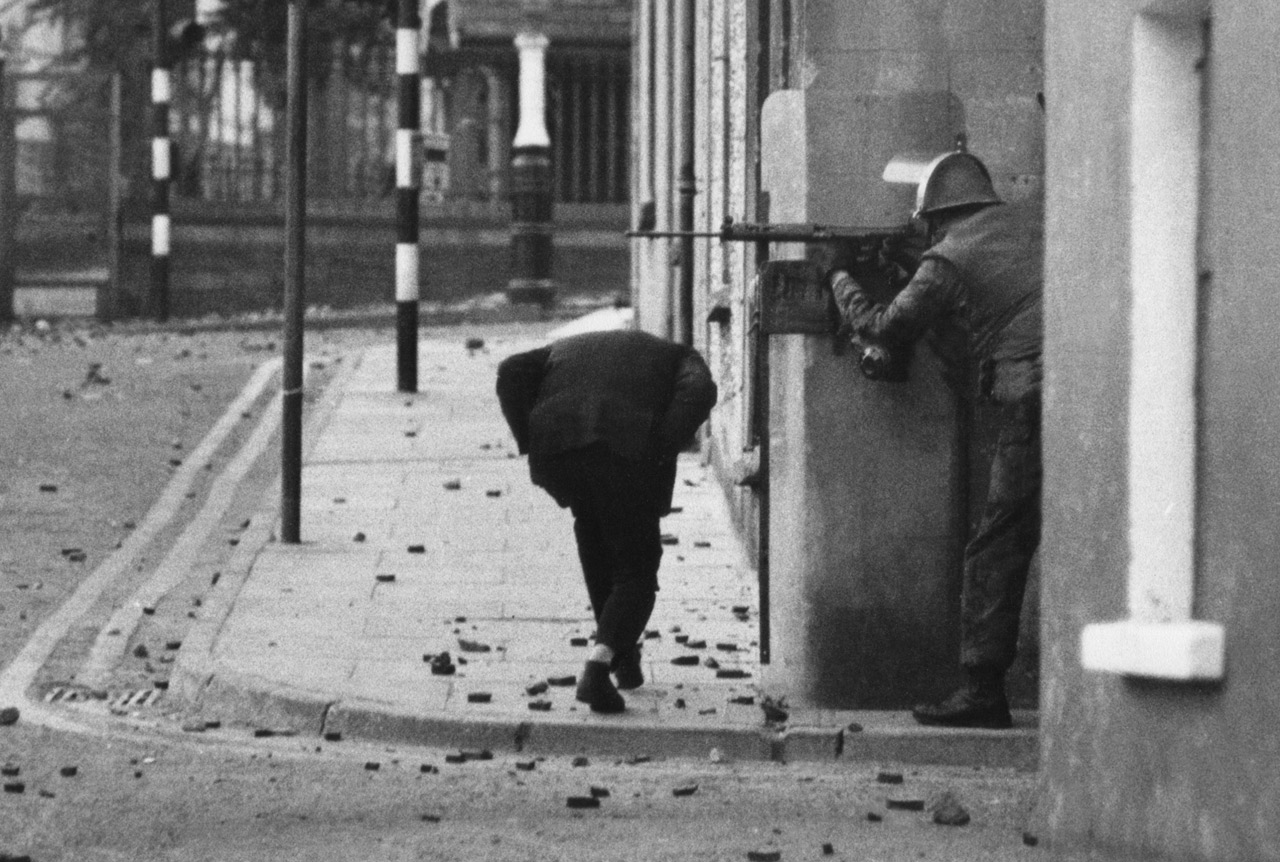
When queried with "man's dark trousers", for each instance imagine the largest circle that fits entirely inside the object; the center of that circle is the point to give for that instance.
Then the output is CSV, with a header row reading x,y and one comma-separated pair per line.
x,y
616,503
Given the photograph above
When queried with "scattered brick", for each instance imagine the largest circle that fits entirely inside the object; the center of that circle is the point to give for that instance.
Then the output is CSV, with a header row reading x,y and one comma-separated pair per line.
x,y
580,760
263,732
828,849
732,673
650,634
562,680
8,716
670,539
1030,840
889,777
744,700
453,485
853,727
764,855
47,794
582,802
173,645
639,758
429,769
536,689
493,492
417,549
540,705
373,766
905,804
708,711
478,754
358,537
679,703
14,787
741,609
682,639
49,489
684,790
947,810
711,663
599,792
685,660
702,544
479,697
873,817
774,710
455,758
579,642
385,578
698,644
161,684
475,344
9,770
526,765
431,818
472,646
333,736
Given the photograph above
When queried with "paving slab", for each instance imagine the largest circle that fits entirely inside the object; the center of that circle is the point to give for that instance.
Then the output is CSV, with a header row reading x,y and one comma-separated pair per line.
x,y
420,535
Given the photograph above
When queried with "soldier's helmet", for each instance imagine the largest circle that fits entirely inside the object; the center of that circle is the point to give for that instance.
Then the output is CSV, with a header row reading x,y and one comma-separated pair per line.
x,y
953,180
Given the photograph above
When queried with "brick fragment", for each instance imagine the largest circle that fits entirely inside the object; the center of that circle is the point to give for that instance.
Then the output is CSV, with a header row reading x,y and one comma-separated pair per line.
x,y
453,485
764,855
889,777
684,790
493,492
670,539
173,645
477,754
429,769
431,818
685,660
372,766
14,787
333,736
696,644
417,549
8,716
455,758
679,703
562,680
1030,840
385,578
599,792
732,673
682,639
711,663
579,642
9,770
702,544
536,689
873,817
905,804
828,849
540,705
582,802
580,760
526,765
472,646
947,810
358,537
479,697
743,699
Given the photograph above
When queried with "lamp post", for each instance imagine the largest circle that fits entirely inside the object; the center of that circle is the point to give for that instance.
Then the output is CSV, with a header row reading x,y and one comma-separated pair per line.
x,y
531,181
295,208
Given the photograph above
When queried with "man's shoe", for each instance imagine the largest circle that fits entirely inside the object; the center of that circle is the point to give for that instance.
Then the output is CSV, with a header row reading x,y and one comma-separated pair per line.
x,y
596,689
626,669
967,707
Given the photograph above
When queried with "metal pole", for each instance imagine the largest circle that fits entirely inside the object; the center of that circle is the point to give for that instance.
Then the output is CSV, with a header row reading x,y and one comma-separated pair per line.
x,y
108,306
295,210
8,198
161,169
408,186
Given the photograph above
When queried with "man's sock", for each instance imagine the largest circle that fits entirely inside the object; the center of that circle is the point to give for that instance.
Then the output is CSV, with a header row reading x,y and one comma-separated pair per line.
x,y
602,654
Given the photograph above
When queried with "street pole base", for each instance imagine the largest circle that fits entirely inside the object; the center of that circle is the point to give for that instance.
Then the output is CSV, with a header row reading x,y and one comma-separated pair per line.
x,y
531,291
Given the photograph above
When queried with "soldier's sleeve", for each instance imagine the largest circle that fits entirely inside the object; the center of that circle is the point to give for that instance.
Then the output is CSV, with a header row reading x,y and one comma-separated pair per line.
x,y
694,394
519,378
933,291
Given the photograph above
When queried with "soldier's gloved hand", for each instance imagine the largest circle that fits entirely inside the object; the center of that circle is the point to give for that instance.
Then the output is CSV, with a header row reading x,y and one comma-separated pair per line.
x,y
900,255
831,257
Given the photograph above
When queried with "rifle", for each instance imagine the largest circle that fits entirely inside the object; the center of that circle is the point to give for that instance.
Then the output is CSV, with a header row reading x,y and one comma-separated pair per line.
x,y
866,240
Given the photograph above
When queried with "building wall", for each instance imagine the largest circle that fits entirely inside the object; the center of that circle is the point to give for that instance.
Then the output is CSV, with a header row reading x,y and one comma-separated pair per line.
x,y
868,480
1166,770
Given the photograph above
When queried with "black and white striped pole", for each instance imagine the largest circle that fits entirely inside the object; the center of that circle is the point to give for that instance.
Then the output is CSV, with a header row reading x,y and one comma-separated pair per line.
x,y
408,186
161,166
531,181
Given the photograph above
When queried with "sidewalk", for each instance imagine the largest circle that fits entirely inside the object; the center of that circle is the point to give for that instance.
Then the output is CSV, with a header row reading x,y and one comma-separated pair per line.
x,y
421,535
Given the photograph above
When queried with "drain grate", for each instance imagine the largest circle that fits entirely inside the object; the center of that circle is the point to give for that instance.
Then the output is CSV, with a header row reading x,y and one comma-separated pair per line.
x,y
129,699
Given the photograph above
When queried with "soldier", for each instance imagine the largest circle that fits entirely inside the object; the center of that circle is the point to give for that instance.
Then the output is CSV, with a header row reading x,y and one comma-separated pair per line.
x,y
976,295
602,417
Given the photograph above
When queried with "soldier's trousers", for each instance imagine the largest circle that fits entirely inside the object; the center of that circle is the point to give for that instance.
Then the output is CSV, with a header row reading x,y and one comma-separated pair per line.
x,y
998,555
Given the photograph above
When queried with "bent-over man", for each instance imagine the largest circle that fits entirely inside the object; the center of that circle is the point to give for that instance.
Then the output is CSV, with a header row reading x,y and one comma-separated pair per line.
x,y
602,417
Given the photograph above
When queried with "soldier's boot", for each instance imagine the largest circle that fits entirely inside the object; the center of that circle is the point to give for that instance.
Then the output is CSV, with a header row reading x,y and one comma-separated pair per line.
x,y
980,702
